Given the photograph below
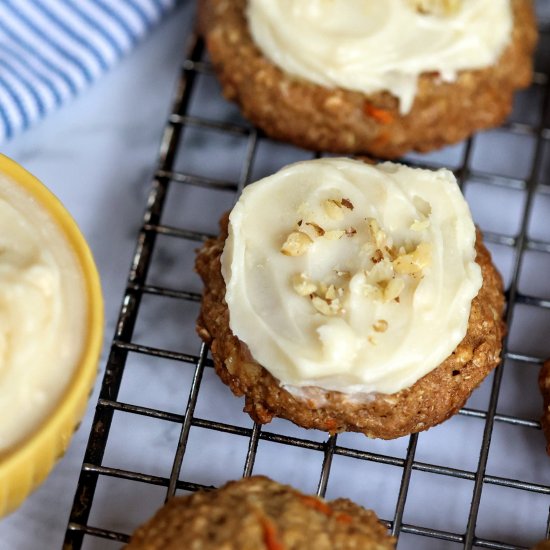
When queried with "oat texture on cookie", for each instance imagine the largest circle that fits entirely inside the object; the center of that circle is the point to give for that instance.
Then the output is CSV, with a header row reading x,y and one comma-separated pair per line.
x,y
365,76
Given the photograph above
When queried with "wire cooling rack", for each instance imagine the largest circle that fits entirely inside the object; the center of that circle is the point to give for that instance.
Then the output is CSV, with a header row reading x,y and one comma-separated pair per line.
x,y
165,425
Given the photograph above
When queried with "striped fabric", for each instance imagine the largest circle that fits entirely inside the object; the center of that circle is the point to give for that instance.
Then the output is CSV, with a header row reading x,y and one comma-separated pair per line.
x,y
50,50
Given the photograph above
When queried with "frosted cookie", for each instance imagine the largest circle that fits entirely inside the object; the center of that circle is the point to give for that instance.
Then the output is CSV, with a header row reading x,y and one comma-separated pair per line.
x,y
344,296
544,384
368,76
256,513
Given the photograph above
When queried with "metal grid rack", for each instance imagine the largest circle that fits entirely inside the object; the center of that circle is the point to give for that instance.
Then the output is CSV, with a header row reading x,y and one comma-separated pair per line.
x,y
521,248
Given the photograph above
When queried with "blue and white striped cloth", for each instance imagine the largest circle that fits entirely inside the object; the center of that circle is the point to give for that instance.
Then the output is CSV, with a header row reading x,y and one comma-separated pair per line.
x,y
51,50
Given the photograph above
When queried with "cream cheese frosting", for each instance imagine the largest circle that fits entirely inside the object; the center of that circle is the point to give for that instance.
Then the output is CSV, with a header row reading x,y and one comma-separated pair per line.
x,y
42,314
351,277
373,45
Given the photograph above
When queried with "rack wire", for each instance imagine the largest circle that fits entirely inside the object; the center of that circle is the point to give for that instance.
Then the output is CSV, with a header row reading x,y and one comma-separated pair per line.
x,y
521,247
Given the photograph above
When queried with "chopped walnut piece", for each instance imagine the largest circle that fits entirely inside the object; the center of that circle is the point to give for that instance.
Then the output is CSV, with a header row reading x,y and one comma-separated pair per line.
x,y
334,234
391,252
377,234
321,305
330,294
393,289
377,256
414,262
317,228
380,326
436,7
347,203
373,227
333,209
325,307
379,272
303,285
423,254
296,244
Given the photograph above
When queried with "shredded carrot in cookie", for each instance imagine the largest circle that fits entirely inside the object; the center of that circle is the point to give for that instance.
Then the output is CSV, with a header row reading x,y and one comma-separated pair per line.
x,y
382,139
316,504
380,115
271,536
342,517
330,424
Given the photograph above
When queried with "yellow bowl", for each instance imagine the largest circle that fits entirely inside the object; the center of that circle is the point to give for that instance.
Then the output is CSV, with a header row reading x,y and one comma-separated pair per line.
x,y
26,465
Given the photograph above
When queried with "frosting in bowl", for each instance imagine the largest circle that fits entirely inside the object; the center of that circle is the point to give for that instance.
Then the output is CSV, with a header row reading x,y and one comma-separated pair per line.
x,y
351,277
373,45
43,314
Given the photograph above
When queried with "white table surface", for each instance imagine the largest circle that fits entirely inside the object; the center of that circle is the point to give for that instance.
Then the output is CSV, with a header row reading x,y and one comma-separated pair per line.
x,y
96,154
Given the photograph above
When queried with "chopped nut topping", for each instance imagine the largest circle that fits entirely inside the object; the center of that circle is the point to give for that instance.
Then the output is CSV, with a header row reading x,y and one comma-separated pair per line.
x,y
391,252
436,7
380,326
415,261
387,268
377,235
321,305
334,234
303,285
423,254
393,289
296,244
347,203
377,256
333,209
330,294
324,307
317,228
380,271
373,227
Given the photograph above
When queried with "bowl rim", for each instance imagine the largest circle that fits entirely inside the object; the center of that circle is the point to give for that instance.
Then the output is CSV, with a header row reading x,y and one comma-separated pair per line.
x,y
81,381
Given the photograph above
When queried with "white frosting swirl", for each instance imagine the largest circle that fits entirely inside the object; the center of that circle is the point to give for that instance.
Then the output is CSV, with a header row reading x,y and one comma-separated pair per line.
x,y
376,45
42,314
399,282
